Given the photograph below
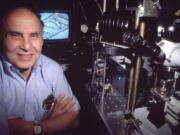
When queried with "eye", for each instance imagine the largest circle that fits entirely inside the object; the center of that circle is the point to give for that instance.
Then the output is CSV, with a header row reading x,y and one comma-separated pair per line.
x,y
35,35
14,35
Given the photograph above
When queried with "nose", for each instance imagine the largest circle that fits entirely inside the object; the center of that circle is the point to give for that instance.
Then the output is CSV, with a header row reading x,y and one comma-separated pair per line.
x,y
26,44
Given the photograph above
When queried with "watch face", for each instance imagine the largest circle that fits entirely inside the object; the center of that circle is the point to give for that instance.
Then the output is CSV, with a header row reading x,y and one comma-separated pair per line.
x,y
37,129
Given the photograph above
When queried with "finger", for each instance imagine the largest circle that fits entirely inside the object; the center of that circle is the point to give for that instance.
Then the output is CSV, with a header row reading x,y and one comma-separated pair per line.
x,y
65,102
68,108
64,106
58,100
60,97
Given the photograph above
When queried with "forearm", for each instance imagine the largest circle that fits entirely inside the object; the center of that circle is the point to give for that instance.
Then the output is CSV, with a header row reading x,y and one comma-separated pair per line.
x,y
51,125
60,123
20,127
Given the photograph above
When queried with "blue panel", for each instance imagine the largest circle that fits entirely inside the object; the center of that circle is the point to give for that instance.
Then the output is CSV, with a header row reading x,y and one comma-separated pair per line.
x,y
56,25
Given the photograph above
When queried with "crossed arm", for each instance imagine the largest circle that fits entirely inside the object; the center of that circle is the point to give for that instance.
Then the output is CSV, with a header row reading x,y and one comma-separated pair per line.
x,y
61,118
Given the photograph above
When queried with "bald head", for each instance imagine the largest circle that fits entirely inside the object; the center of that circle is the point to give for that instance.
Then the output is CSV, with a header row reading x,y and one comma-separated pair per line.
x,y
22,38
19,15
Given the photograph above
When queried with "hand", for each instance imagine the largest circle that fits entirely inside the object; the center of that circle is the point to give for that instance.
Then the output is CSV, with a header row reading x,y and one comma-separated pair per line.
x,y
62,105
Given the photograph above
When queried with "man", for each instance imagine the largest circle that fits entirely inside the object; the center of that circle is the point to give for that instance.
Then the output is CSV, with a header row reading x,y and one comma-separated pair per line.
x,y
29,81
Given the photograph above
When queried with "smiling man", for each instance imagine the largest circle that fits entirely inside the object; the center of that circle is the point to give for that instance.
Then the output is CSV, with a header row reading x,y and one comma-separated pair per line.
x,y
22,40
33,89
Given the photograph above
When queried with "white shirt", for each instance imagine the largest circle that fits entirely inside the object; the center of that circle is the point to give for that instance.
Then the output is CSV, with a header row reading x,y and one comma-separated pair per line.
x,y
24,98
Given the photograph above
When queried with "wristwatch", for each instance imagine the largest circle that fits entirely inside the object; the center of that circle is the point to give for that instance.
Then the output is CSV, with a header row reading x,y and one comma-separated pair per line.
x,y
37,128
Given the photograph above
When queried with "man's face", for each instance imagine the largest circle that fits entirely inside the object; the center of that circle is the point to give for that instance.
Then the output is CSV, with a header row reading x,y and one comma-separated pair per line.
x,y
22,38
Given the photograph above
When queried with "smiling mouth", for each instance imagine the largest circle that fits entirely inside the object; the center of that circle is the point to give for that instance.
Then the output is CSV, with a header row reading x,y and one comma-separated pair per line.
x,y
25,57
